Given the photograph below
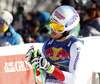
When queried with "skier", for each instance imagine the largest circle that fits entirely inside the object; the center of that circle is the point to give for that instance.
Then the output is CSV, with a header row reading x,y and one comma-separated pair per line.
x,y
62,54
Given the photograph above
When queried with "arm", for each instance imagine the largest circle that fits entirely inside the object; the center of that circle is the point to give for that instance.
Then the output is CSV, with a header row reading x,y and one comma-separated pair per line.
x,y
18,39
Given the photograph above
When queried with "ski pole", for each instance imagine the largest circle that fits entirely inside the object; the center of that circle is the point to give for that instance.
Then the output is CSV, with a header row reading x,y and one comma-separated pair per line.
x,y
38,53
35,55
41,75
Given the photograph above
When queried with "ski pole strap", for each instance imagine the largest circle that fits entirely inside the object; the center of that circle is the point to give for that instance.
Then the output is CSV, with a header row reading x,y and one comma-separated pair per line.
x,y
50,69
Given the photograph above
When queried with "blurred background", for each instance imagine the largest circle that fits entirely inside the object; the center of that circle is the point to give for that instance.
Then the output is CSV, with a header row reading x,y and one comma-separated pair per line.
x,y
25,11
29,5
43,5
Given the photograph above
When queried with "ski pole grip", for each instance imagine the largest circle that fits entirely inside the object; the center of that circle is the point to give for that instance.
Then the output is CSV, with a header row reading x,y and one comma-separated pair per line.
x,y
35,53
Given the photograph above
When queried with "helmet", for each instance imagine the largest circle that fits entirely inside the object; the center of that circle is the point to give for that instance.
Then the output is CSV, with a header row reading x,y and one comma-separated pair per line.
x,y
6,16
66,16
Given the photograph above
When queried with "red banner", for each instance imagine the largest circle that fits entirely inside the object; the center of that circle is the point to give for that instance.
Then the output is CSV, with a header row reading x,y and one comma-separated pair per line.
x,y
14,68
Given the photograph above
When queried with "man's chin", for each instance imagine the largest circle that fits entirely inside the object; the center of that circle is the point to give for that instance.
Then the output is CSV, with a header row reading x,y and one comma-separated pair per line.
x,y
53,37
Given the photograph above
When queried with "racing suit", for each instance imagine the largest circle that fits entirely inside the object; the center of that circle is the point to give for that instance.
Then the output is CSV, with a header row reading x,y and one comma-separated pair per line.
x,y
65,56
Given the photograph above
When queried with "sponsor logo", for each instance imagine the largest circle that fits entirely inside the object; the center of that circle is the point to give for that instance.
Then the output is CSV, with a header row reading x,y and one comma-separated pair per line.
x,y
20,40
69,43
56,54
50,81
78,48
59,16
17,66
2,41
50,42
75,63
9,34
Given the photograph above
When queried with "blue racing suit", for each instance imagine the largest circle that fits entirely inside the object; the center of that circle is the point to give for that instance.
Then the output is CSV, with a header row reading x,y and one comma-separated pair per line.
x,y
67,57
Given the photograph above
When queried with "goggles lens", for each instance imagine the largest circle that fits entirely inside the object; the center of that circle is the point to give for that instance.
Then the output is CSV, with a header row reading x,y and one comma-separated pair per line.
x,y
57,27
2,22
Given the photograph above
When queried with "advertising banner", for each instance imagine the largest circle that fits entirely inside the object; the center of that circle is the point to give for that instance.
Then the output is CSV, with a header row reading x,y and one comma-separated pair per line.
x,y
14,68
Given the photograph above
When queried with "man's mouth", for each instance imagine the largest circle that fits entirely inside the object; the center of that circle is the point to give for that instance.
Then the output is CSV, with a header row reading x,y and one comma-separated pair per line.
x,y
53,33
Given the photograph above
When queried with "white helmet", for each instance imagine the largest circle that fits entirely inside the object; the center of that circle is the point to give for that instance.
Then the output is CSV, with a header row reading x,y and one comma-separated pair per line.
x,y
67,16
6,16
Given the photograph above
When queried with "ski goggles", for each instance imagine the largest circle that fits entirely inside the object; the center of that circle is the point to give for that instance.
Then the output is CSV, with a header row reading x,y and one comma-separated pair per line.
x,y
2,22
56,27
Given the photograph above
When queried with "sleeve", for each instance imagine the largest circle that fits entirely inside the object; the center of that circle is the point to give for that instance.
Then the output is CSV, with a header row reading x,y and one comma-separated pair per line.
x,y
18,39
76,67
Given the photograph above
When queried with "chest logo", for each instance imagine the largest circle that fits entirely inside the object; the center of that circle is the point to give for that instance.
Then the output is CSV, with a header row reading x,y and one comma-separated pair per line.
x,y
56,54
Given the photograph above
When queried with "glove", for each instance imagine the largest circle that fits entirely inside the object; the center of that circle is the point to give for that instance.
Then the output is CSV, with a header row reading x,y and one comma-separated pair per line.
x,y
39,61
42,63
29,54
5,44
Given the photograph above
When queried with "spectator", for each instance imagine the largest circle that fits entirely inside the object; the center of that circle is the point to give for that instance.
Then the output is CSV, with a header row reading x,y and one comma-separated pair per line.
x,y
91,19
8,36
44,21
30,32
15,24
33,27
68,2
77,30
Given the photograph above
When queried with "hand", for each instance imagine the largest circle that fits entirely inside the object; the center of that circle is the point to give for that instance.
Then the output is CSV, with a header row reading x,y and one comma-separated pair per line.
x,y
5,44
29,39
41,63
29,54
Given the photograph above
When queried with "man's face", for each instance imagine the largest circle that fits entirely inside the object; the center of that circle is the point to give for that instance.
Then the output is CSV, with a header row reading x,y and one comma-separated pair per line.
x,y
2,25
55,35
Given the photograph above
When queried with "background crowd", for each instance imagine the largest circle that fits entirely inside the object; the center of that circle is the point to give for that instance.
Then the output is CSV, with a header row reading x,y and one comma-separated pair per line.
x,y
33,26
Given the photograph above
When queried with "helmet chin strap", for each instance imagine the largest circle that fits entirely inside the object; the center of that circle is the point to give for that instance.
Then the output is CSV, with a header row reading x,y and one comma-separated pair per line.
x,y
63,35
